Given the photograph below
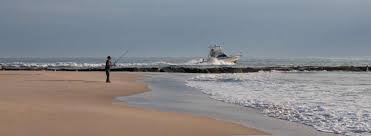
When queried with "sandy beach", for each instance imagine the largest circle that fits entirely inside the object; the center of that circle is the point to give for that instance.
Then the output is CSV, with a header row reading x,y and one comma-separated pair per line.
x,y
81,104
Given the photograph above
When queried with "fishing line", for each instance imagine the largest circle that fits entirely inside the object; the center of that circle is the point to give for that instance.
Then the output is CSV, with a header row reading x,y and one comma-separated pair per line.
x,y
122,55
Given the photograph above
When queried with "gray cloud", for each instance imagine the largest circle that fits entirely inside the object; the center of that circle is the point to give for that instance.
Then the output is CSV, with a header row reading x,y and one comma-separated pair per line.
x,y
185,27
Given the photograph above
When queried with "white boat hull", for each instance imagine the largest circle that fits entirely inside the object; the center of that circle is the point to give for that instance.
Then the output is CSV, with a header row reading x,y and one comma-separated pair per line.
x,y
225,60
232,59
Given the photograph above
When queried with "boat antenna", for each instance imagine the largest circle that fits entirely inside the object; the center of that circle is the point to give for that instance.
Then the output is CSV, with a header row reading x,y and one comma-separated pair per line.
x,y
122,55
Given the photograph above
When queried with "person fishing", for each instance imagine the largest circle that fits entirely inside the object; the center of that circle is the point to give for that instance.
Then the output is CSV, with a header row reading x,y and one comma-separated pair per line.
x,y
108,69
109,65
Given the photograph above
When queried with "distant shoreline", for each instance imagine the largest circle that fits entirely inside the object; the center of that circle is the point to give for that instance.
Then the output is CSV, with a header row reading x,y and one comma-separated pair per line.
x,y
198,69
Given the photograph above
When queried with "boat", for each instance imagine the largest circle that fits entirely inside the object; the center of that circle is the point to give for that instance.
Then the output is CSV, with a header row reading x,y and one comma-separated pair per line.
x,y
217,54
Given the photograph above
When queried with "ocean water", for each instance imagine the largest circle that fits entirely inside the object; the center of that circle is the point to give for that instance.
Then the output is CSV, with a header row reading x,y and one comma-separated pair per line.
x,y
334,102
94,62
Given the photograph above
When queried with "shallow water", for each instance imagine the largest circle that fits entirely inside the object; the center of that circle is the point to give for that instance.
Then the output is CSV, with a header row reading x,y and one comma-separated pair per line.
x,y
169,93
336,102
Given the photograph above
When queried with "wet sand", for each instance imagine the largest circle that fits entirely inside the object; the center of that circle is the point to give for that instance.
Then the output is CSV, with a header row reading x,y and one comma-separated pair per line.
x,y
81,104
170,93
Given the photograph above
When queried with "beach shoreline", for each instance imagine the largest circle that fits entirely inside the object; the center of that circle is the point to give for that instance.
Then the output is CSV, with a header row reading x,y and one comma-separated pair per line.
x,y
169,93
41,103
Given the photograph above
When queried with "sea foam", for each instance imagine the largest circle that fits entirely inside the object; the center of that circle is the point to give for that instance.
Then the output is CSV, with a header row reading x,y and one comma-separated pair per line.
x,y
193,62
336,102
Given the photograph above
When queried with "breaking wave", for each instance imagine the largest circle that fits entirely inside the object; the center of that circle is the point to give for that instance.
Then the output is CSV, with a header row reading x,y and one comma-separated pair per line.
x,y
193,62
209,62
336,102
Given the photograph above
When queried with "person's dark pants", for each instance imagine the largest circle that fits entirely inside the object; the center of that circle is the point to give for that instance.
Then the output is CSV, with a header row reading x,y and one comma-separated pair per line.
x,y
108,75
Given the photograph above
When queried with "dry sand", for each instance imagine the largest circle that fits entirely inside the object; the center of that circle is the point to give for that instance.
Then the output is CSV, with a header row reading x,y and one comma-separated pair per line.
x,y
81,104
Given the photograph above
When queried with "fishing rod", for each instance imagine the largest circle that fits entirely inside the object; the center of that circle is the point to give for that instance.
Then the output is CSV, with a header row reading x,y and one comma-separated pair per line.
x,y
122,55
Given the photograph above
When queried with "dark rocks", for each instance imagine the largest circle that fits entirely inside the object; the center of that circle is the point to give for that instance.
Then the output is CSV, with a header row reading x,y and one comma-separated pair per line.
x,y
200,69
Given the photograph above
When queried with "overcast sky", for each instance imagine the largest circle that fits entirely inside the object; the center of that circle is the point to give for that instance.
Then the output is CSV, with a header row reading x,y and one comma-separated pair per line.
x,y
160,28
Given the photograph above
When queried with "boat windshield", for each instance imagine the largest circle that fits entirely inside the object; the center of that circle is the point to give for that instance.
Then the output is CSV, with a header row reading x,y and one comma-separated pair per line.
x,y
217,52
222,56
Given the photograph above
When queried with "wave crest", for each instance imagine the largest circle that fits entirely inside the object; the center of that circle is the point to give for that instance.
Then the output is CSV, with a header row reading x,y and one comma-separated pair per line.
x,y
336,102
